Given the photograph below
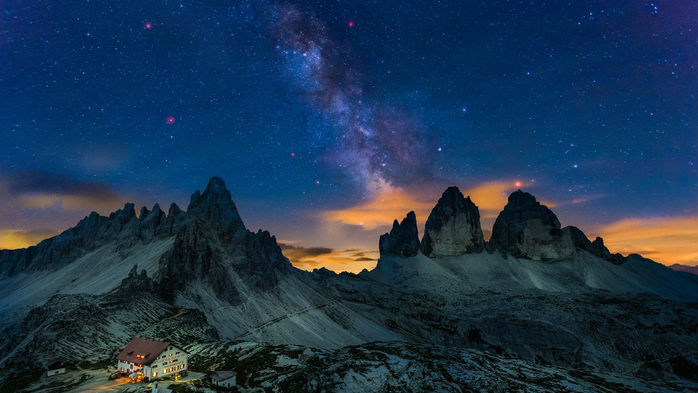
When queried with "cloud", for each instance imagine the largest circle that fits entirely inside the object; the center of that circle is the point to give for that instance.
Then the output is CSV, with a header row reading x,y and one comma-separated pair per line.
x,y
588,198
388,204
309,258
36,205
300,252
491,197
666,240
42,190
11,239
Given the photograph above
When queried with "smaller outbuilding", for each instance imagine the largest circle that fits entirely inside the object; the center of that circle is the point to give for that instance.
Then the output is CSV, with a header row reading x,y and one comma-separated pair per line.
x,y
226,379
55,367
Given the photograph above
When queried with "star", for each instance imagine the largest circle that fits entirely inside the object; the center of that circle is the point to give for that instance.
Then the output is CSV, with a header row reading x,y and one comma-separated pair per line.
x,y
350,23
170,120
148,25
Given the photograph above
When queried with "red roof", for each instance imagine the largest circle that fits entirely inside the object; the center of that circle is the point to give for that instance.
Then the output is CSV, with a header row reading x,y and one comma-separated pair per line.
x,y
142,351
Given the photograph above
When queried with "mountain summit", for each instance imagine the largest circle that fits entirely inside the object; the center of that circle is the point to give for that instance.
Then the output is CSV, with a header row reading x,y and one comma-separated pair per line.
x,y
453,227
216,206
527,229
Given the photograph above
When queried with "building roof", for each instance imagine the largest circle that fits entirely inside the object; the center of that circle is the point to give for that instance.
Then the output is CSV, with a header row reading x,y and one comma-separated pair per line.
x,y
221,375
142,351
56,364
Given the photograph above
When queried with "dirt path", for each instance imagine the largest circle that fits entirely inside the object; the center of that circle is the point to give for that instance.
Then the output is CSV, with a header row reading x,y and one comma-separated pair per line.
x,y
285,316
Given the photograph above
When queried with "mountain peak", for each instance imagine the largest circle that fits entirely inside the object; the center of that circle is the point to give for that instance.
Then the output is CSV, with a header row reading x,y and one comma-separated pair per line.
x,y
527,229
453,227
403,239
215,192
216,206
521,198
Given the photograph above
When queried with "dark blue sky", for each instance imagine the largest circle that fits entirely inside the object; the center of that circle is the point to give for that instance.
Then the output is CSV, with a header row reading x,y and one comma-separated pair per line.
x,y
589,104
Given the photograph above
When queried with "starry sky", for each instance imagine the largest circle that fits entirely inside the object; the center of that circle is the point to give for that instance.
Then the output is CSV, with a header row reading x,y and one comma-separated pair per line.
x,y
328,119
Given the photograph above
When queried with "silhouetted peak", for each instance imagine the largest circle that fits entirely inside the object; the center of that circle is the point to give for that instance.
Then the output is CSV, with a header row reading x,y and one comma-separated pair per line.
x,y
403,239
453,227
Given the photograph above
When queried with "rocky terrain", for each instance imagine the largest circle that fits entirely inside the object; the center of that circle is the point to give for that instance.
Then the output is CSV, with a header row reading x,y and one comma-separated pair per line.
x,y
539,306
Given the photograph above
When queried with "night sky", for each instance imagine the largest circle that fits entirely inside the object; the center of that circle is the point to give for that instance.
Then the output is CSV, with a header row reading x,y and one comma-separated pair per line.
x,y
328,119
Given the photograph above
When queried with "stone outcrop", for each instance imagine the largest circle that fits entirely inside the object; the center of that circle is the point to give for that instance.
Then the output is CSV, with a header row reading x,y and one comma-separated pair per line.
x,y
595,248
453,227
403,239
527,229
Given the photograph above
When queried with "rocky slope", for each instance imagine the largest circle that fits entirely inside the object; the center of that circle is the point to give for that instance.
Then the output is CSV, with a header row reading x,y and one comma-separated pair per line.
x,y
405,367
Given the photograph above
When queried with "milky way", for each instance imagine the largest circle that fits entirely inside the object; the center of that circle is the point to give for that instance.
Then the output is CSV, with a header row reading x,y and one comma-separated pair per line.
x,y
322,115
377,143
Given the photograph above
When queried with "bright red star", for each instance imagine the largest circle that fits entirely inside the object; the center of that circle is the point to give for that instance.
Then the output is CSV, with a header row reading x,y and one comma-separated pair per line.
x,y
517,184
148,25
170,120
351,23
317,181
293,154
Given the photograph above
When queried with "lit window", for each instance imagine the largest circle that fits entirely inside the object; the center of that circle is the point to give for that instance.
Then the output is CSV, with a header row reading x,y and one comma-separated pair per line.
x,y
170,355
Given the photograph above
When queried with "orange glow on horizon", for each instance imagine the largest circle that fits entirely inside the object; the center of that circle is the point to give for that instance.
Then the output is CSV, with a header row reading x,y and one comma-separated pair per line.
x,y
390,203
393,203
43,201
351,260
667,240
15,239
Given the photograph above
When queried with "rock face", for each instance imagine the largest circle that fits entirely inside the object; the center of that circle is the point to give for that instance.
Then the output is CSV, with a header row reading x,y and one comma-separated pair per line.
x,y
216,207
403,239
211,239
90,233
595,248
527,229
453,227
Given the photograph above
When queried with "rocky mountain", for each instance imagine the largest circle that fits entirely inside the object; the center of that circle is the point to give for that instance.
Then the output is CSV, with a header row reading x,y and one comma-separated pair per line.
x,y
403,239
537,293
527,229
453,227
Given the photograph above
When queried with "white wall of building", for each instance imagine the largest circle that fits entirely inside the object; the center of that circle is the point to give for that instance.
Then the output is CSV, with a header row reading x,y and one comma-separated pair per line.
x,y
171,361
57,371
